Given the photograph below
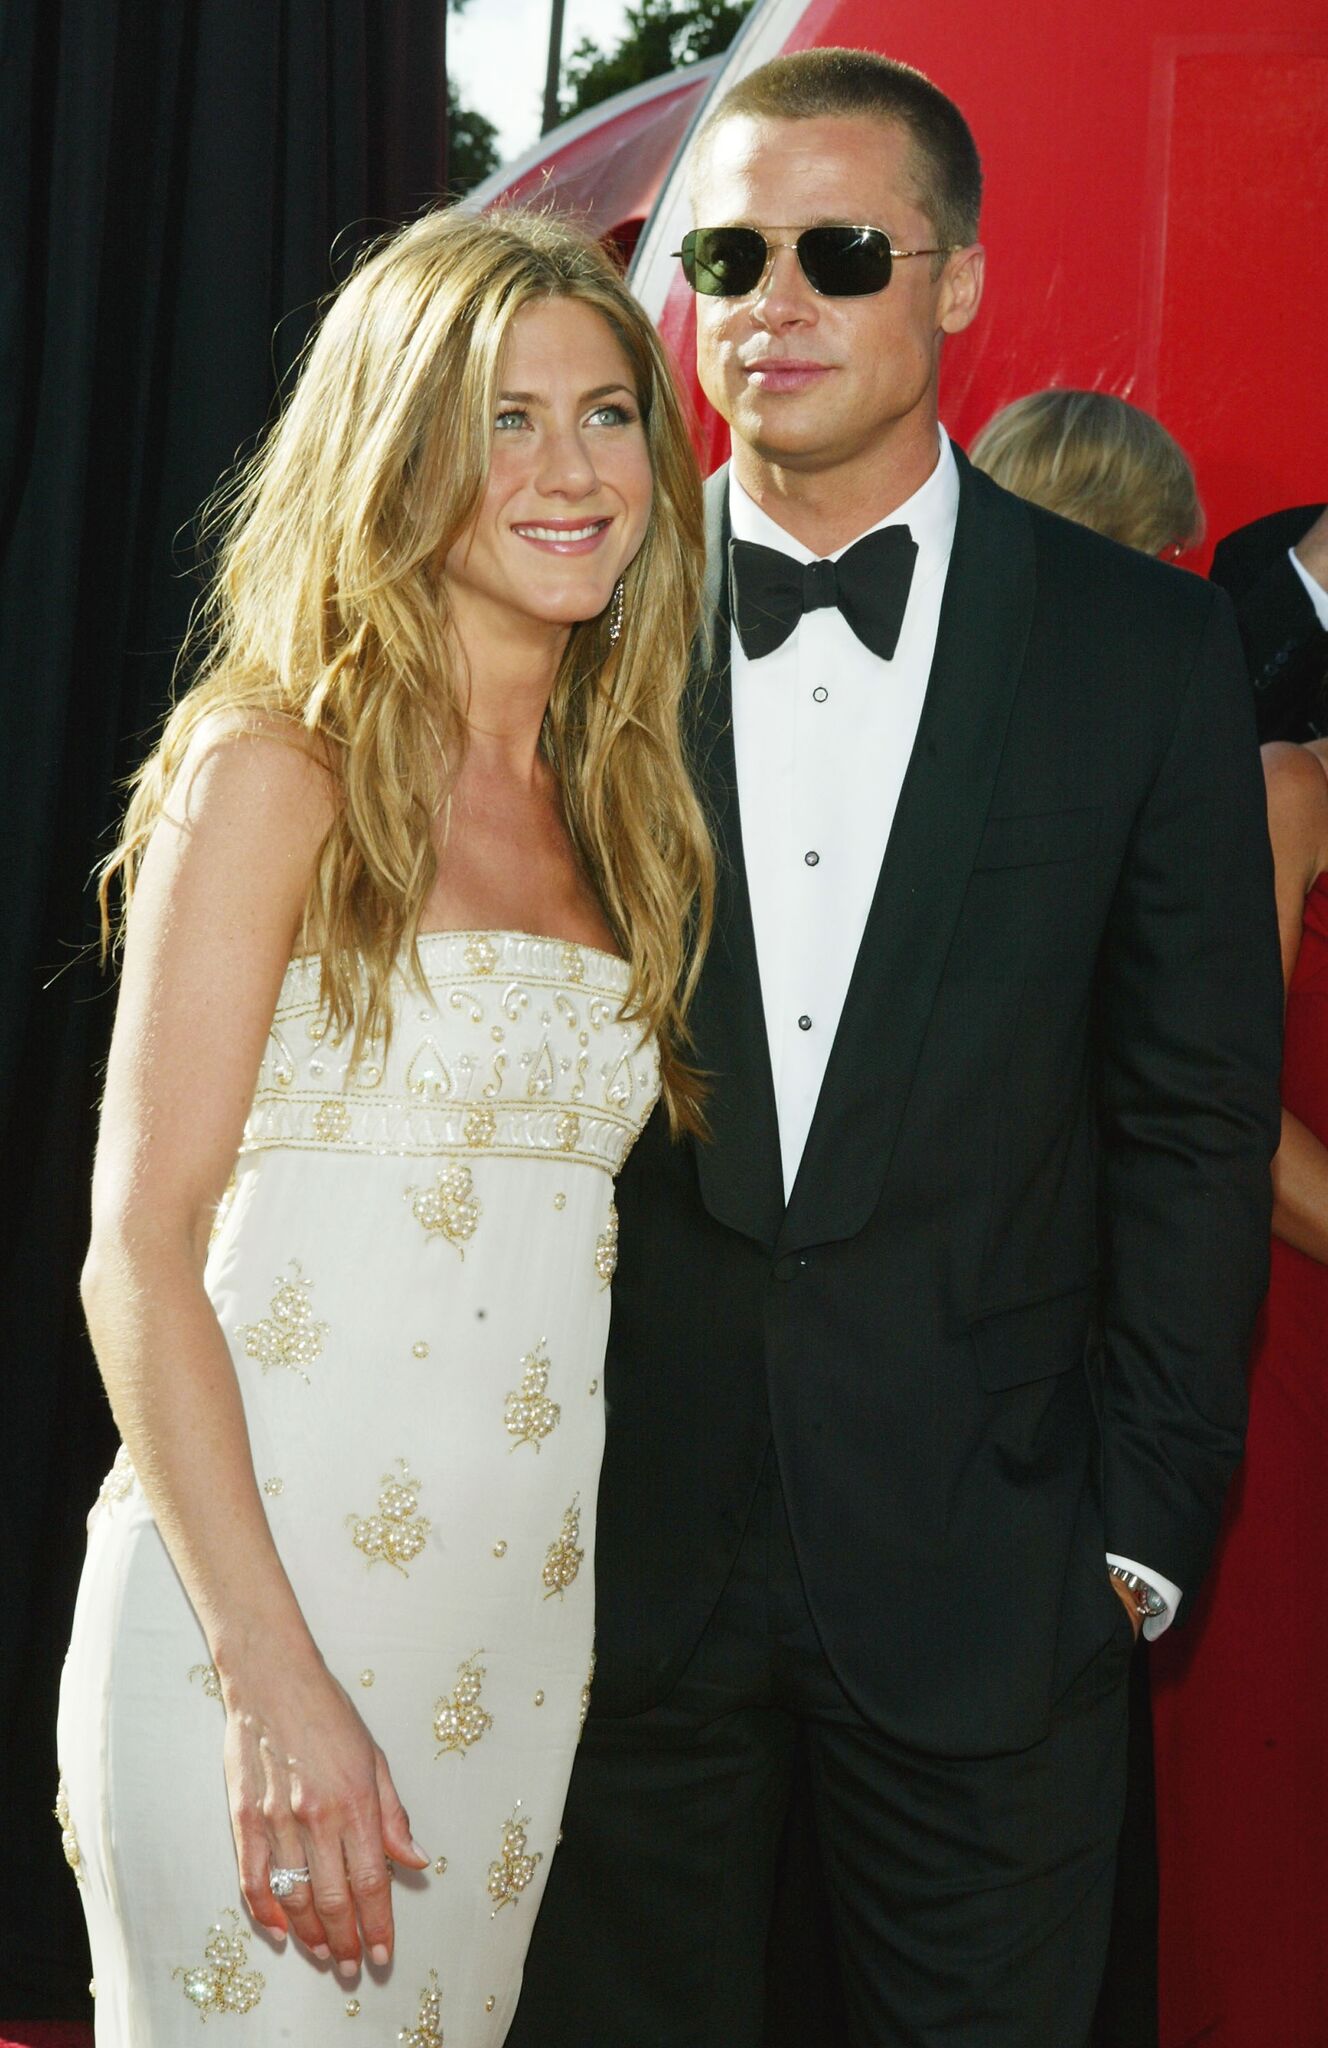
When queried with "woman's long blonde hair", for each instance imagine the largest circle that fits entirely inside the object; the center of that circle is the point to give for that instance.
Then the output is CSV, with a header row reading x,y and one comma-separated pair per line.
x,y
327,614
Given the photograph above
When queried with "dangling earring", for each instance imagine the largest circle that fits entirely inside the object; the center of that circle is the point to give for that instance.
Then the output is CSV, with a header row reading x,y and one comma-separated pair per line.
x,y
616,610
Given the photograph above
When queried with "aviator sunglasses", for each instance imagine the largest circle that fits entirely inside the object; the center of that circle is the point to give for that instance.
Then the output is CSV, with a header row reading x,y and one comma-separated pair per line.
x,y
837,262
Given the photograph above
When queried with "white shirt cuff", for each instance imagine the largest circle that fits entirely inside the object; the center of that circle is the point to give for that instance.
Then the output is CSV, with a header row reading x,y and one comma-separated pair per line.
x,y
1157,1624
1315,591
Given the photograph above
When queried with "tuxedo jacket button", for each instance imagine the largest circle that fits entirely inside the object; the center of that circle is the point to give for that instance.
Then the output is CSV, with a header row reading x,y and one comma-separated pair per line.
x,y
789,1266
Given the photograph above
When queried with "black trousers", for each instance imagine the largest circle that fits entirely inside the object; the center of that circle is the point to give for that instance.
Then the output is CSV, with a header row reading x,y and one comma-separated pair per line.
x,y
971,1896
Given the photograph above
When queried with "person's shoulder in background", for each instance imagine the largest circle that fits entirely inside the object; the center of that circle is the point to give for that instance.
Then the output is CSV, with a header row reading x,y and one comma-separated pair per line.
x,y
1280,622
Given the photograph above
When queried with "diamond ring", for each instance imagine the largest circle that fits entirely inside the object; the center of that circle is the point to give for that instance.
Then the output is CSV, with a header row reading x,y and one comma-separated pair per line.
x,y
281,1883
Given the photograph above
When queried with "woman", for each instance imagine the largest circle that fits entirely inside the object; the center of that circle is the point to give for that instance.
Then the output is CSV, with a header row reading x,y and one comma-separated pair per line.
x,y
1099,460
342,1568
1242,1785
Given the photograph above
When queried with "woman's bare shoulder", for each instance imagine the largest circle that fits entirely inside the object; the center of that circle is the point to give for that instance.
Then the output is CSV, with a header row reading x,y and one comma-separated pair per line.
x,y
254,770
1296,779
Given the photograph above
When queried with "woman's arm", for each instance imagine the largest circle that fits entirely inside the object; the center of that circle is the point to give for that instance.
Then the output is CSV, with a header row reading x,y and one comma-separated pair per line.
x,y
215,914
1297,785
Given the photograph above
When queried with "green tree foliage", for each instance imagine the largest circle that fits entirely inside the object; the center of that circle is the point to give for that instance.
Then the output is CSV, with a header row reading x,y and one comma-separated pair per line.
x,y
472,146
660,35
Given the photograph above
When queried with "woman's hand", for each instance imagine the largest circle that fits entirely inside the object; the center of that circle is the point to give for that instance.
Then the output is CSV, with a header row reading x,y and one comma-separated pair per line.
x,y
310,1788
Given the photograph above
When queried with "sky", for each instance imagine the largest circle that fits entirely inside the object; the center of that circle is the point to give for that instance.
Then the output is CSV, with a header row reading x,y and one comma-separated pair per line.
x,y
498,51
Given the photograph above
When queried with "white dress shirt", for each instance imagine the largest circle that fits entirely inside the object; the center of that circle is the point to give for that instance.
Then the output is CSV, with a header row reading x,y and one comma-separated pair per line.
x,y
1314,590
823,730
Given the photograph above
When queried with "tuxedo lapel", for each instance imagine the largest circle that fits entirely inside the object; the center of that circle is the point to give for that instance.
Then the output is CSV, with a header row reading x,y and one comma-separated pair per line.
x,y
984,624
739,1166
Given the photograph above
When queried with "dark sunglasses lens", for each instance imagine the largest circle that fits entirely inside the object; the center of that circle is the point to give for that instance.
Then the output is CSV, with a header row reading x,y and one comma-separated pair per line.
x,y
845,263
723,263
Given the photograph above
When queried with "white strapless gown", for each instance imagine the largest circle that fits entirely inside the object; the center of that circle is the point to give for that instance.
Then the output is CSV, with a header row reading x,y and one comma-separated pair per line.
x,y
412,1271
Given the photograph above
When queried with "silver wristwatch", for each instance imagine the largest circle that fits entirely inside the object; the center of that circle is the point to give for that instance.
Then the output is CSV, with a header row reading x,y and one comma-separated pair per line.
x,y
1148,1602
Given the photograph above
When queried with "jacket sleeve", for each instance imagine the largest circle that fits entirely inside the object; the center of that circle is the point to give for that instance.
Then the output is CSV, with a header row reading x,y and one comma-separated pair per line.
x,y
1190,1009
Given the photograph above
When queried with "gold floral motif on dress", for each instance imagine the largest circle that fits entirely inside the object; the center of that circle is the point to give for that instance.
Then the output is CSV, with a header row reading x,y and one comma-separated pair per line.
x,y
450,1208
118,1483
398,1532
512,1872
459,1720
288,1336
606,1248
221,1983
567,1130
331,1121
562,1560
68,1839
529,1414
481,955
208,1677
481,1126
426,2030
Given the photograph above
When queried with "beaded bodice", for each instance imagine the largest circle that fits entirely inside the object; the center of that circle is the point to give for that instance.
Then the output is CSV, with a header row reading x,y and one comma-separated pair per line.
x,y
515,1047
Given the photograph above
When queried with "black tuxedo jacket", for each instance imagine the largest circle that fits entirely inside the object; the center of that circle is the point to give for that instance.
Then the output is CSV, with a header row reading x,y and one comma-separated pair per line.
x,y
1001,1324
1285,646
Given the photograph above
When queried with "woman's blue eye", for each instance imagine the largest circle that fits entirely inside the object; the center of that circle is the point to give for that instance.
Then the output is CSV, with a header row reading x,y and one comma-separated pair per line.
x,y
618,415
507,418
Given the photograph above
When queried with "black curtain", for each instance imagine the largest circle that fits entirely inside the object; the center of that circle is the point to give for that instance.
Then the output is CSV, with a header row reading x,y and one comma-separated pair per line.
x,y
183,181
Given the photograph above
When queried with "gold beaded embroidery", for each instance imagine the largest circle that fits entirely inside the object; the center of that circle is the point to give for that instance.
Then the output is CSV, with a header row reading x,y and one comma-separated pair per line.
x,y
222,1210
208,1677
68,1838
606,1248
118,1483
288,1336
366,1678
398,1532
272,1487
352,2008
420,1350
427,2030
459,1721
543,1079
439,1865
428,1074
220,1983
560,1201
450,1208
513,1870
481,1127
585,1693
574,964
529,1414
562,1560
331,1120
567,1130
481,955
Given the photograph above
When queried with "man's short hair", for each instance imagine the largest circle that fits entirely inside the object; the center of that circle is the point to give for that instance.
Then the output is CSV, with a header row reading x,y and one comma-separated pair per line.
x,y
808,84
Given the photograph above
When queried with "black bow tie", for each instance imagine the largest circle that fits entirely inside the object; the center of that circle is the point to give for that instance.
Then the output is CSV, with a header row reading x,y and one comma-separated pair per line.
x,y
869,583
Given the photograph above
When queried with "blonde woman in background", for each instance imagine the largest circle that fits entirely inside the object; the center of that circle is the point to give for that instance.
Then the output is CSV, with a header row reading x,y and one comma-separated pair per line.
x,y
415,887
1097,460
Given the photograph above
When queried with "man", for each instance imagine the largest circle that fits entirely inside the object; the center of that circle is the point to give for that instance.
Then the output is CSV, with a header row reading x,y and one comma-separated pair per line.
x,y
948,1318
1275,571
